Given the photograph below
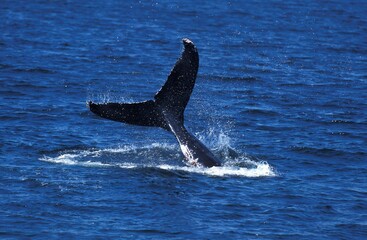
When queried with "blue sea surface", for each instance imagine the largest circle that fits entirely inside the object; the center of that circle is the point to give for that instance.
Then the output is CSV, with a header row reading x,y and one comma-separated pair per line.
x,y
280,99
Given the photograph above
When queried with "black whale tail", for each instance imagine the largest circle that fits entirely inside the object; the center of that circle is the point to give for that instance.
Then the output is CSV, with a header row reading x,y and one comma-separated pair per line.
x,y
172,98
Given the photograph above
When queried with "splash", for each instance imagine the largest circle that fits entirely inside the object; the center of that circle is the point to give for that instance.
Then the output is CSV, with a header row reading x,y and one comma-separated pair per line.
x,y
214,138
106,97
157,156
262,169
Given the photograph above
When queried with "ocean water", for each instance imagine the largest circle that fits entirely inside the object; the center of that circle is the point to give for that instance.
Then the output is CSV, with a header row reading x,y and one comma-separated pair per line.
x,y
280,99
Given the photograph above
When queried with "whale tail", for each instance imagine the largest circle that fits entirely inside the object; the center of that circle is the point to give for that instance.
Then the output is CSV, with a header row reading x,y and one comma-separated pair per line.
x,y
172,98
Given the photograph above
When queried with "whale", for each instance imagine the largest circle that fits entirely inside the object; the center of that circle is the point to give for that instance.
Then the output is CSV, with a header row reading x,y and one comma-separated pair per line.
x,y
166,109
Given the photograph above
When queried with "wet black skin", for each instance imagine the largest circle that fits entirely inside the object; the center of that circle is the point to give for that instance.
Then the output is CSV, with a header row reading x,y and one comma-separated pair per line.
x,y
167,108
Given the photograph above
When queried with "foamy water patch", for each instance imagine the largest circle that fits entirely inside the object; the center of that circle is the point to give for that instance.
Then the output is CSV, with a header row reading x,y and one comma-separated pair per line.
x,y
111,156
262,169
134,157
71,159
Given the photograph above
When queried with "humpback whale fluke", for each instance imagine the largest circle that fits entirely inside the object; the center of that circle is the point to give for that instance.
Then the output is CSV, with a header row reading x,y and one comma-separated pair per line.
x,y
167,109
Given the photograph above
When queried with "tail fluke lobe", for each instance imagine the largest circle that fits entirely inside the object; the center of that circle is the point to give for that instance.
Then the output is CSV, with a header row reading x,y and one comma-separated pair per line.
x,y
176,92
142,113
170,100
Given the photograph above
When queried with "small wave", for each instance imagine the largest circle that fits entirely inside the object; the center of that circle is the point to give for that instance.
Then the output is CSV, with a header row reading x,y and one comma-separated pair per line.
x,y
231,78
246,79
11,93
323,152
341,121
241,167
258,111
158,41
5,66
115,57
35,70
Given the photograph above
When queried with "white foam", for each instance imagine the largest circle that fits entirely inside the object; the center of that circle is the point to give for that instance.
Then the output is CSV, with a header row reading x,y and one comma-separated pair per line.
x,y
91,158
263,169
69,159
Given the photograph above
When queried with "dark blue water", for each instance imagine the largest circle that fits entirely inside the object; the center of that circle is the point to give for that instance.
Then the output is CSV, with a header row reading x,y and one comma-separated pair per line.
x,y
280,99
